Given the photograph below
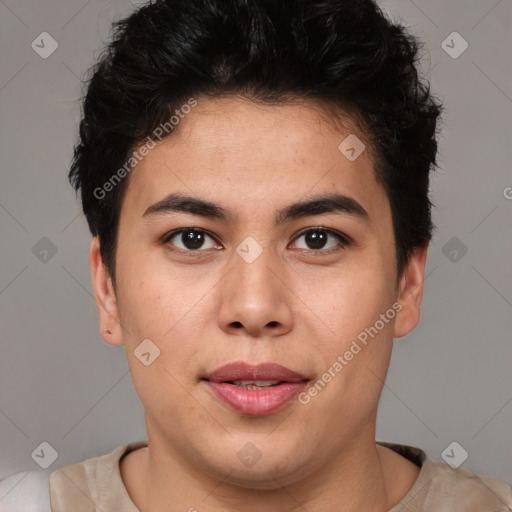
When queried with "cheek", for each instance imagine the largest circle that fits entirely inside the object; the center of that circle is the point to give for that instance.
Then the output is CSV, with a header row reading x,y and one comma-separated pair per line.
x,y
173,349
164,392
160,316
346,301
153,301
350,302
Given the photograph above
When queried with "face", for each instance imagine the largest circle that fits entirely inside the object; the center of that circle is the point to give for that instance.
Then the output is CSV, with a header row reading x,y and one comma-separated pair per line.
x,y
283,253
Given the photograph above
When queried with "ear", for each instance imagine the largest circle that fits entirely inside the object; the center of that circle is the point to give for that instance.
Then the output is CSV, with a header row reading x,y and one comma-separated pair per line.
x,y
410,293
110,329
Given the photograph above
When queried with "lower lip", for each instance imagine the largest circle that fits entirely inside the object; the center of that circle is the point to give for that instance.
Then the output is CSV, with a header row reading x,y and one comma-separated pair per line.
x,y
257,402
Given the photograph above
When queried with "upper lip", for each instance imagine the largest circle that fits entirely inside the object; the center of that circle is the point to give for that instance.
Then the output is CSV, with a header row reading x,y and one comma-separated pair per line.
x,y
236,371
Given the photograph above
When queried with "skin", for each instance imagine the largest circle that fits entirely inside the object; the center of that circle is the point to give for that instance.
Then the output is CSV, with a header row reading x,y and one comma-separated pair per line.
x,y
296,305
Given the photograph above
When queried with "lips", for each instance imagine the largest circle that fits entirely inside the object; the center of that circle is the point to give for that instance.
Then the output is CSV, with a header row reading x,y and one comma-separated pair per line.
x,y
255,390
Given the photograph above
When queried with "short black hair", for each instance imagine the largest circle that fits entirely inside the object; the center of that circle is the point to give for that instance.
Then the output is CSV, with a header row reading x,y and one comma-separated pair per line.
x,y
343,52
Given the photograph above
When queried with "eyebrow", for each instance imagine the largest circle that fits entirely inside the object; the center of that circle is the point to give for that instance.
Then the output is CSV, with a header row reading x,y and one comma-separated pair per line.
x,y
316,205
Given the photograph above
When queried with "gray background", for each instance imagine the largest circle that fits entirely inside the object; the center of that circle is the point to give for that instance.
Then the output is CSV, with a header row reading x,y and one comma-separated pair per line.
x,y
450,380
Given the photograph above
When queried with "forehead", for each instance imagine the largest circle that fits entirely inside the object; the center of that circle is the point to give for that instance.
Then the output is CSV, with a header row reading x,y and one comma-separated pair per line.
x,y
238,151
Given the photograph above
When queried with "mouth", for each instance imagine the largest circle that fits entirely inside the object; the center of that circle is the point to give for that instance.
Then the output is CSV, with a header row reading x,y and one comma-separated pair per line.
x,y
255,390
255,384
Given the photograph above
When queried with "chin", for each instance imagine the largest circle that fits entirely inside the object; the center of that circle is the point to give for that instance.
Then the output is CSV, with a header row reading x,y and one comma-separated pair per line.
x,y
268,469
265,478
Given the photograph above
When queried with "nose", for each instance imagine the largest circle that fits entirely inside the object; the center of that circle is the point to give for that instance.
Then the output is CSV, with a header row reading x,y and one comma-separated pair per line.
x,y
255,298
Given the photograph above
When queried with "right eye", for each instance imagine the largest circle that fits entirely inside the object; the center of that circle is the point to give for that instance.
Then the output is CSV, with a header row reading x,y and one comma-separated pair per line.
x,y
190,240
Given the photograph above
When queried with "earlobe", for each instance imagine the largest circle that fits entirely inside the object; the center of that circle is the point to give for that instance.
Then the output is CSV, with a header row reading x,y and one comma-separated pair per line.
x,y
105,297
410,293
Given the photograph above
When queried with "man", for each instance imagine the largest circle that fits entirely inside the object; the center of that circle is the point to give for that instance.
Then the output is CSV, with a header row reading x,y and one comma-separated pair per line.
x,y
255,176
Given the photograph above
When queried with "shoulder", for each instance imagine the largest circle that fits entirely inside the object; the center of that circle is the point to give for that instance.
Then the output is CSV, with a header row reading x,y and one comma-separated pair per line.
x,y
95,480
463,488
443,488
26,491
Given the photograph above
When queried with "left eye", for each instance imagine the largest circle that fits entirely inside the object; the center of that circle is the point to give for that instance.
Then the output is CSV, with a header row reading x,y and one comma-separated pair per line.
x,y
319,238
191,239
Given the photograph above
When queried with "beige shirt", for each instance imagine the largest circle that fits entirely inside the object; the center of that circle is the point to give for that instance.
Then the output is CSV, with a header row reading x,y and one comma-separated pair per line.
x,y
96,484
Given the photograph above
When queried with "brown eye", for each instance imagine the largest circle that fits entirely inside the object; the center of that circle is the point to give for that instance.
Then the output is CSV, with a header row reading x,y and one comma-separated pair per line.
x,y
190,239
318,239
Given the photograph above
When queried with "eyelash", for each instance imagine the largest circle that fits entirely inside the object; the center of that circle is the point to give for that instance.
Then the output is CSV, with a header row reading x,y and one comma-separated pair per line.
x,y
344,240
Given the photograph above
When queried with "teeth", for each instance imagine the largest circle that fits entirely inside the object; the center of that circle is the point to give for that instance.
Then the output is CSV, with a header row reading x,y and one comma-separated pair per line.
x,y
255,384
